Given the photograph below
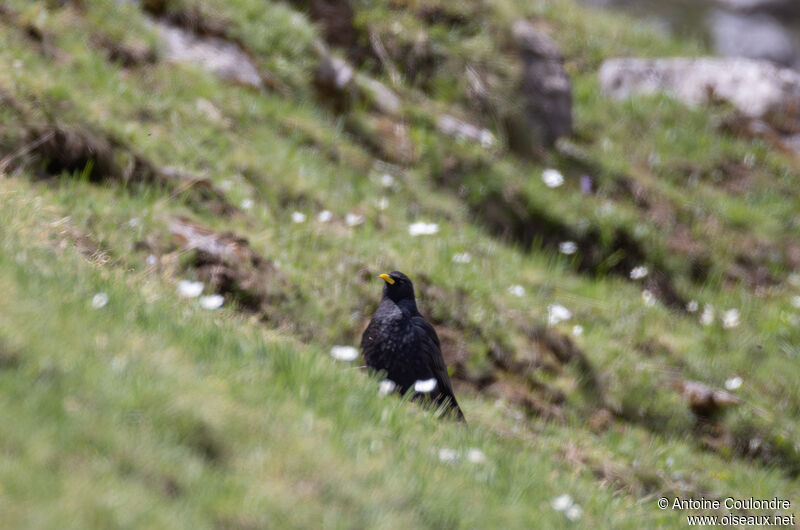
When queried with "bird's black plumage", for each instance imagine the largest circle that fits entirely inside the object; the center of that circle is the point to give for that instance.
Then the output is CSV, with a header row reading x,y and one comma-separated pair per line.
x,y
400,342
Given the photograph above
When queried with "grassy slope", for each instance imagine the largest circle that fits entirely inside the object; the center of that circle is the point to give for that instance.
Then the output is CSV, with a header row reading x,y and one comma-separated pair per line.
x,y
152,412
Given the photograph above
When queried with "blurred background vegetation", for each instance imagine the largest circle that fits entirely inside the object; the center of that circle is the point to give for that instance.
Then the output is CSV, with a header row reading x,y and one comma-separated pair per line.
x,y
609,253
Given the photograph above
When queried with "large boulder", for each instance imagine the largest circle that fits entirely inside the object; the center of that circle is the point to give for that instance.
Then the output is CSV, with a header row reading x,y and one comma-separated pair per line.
x,y
783,7
545,89
216,55
757,36
757,89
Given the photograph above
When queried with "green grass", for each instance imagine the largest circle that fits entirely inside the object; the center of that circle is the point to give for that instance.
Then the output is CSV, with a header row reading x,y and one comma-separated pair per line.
x,y
152,412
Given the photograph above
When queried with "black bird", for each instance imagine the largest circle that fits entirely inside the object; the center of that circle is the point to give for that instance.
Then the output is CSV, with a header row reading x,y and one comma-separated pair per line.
x,y
400,342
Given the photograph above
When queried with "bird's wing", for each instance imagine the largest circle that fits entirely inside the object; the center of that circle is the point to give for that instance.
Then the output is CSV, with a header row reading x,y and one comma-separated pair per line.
x,y
368,340
433,352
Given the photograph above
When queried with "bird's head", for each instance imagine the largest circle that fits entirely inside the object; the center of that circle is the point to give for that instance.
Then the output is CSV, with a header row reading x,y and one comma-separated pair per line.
x,y
397,286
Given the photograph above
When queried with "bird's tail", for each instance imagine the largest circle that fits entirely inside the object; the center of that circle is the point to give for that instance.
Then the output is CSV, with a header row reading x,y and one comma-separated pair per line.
x,y
452,407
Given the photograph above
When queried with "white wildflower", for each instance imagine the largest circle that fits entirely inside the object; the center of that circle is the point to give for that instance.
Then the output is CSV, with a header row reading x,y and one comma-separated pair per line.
x,y
487,138
135,222
118,364
557,313
298,217
648,298
567,247
561,503
517,290
421,228
574,512
463,257
212,301
734,383
476,456
552,178
324,216
353,219
99,300
425,386
637,273
190,289
386,387
248,204
796,301
707,317
449,456
344,353
577,330
151,260
383,203
692,306
387,181
730,318
226,185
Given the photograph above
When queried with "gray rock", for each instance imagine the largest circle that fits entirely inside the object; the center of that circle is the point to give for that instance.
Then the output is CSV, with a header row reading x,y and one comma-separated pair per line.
x,y
381,96
757,89
755,36
546,90
334,73
762,6
452,126
218,56
338,82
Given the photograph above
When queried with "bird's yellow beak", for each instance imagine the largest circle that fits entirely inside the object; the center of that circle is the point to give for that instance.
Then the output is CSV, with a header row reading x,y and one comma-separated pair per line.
x,y
388,279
